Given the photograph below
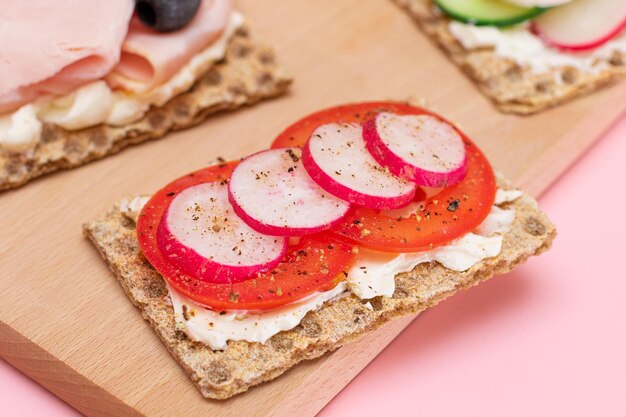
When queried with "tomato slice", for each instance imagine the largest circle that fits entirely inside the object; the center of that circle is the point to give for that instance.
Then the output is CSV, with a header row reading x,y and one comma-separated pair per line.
x,y
316,263
450,214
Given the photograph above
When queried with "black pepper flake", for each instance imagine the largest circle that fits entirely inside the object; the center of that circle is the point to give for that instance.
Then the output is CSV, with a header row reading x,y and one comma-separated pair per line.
x,y
185,312
454,205
292,155
233,297
170,194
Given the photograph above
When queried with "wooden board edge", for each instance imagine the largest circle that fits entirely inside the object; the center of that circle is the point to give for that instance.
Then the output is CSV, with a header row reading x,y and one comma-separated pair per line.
x,y
92,400
59,378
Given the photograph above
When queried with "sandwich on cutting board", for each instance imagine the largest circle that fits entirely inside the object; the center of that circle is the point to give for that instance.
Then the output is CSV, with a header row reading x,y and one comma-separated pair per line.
x,y
529,55
83,79
355,216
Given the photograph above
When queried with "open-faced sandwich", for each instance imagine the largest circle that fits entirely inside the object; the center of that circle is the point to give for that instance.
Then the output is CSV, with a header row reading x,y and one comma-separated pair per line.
x,y
357,215
80,80
529,55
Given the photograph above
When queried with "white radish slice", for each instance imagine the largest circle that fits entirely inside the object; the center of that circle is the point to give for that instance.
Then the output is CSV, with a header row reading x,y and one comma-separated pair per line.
x,y
272,192
582,24
201,234
421,148
538,3
335,156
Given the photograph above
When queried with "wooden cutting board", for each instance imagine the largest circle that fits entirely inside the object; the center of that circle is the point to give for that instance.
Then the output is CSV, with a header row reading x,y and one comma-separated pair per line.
x,y
65,321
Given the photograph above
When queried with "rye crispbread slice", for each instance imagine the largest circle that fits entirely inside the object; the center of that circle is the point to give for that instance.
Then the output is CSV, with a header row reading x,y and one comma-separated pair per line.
x,y
248,73
512,88
222,374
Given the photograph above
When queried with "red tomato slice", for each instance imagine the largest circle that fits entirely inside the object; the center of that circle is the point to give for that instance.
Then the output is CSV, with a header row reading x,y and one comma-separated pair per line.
x,y
448,215
316,263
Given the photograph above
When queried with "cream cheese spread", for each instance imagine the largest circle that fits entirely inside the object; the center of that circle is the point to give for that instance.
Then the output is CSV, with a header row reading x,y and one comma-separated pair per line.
x,y
96,103
215,329
131,208
372,275
373,272
20,130
527,50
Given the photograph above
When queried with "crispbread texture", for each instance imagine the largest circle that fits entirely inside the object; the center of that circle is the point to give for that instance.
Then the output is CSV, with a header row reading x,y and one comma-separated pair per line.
x,y
248,73
222,374
513,89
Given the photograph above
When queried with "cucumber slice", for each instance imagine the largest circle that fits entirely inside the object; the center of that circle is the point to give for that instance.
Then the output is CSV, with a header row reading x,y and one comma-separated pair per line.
x,y
487,12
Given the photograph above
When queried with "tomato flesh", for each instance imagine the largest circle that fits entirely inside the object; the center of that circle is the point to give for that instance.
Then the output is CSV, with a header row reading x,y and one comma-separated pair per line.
x,y
450,214
317,263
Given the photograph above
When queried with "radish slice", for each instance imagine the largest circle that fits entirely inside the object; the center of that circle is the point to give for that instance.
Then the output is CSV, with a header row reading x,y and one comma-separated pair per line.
x,y
420,148
581,25
272,192
201,235
336,158
538,3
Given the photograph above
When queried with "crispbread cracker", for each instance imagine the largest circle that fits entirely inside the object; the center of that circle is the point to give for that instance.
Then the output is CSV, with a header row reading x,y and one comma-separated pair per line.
x,y
247,74
222,374
513,89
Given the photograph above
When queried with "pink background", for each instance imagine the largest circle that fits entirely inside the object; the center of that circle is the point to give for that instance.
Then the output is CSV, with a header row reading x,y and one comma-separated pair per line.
x,y
549,339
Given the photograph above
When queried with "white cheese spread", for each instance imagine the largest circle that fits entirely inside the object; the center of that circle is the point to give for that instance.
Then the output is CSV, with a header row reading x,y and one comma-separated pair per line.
x,y
87,106
131,208
96,103
20,130
506,196
527,50
215,329
373,272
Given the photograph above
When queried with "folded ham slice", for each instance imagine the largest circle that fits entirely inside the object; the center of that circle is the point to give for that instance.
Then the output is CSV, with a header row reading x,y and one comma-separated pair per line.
x,y
53,48
150,58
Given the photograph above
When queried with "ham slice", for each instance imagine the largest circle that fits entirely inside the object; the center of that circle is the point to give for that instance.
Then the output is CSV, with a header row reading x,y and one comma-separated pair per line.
x,y
54,47
151,58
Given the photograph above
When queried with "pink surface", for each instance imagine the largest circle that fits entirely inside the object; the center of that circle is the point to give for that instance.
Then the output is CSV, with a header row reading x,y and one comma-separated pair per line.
x,y
546,340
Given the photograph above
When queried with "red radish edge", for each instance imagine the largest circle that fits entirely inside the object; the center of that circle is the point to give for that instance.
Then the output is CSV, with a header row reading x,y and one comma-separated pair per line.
x,y
261,226
192,263
402,168
205,269
337,189
576,48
